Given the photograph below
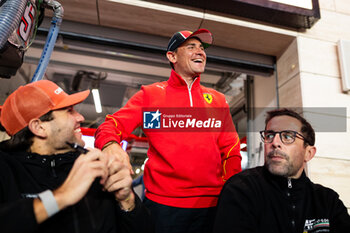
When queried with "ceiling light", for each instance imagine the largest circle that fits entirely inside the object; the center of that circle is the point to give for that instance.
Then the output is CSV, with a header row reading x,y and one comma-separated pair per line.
x,y
97,100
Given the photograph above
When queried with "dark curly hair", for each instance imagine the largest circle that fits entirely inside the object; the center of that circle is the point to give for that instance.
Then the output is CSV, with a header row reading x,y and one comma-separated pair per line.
x,y
23,140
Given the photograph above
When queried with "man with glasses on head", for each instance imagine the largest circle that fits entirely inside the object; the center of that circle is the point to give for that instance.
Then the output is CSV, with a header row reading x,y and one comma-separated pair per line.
x,y
278,197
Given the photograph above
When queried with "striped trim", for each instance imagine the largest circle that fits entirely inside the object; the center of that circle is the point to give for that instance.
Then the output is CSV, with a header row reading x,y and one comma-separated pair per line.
x,y
224,165
321,224
115,124
185,36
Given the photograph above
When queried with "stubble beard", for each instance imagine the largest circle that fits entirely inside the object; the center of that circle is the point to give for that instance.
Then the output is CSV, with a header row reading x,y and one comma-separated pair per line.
x,y
280,168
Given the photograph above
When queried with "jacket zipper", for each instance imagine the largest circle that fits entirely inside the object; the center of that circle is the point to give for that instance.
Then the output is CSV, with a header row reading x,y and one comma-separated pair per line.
x,y
189,87
293,206
289,183
53,164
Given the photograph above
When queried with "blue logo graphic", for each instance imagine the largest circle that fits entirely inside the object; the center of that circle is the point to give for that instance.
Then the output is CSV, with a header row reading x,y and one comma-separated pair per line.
x,y
151,120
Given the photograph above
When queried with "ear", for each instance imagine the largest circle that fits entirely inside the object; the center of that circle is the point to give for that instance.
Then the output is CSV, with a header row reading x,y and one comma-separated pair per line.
x,y
310,153
171,56
37,127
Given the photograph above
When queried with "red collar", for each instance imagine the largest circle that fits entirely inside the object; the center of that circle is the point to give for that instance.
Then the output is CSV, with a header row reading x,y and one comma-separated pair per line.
x,y
176,80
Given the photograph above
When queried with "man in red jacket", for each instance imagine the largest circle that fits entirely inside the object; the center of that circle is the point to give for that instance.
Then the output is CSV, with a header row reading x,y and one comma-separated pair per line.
x,y
193,145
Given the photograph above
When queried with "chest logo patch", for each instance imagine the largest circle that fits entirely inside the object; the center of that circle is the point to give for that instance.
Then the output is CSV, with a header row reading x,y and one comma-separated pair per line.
x,y
208,97
316,225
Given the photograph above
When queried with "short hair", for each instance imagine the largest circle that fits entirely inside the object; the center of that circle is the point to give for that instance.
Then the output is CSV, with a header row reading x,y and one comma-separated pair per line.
x,y
306,129
23,140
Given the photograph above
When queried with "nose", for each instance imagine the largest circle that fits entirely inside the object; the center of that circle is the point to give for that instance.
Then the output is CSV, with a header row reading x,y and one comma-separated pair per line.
x,y
277,142
200,50
79,118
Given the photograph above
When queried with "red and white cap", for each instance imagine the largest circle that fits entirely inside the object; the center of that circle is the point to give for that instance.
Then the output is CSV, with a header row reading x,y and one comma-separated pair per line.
x,y
178,38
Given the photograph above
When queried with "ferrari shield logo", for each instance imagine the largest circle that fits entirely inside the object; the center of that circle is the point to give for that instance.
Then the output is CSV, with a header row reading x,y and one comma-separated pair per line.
x,y
208,97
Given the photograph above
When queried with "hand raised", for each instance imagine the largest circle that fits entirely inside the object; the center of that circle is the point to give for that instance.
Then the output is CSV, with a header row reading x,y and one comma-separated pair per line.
x,y
119,179
119,154
85,170
119,182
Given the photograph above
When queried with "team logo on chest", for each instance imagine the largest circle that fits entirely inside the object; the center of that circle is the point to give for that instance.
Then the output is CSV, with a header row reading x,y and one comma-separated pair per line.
x,y
208,97
316,225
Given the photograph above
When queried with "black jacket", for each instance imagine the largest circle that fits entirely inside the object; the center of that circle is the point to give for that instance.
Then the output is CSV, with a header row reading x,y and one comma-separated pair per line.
x,y
24,175
257,201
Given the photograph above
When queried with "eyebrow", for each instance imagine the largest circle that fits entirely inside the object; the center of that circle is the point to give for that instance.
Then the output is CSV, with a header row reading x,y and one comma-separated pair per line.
x,y
194,44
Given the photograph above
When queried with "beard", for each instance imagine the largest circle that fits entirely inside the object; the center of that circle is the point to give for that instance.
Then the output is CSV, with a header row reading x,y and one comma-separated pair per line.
x,y
281,167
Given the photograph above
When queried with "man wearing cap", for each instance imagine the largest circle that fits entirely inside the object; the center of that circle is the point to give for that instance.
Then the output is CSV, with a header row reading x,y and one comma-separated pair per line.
x,y
186,168
47,185
279,197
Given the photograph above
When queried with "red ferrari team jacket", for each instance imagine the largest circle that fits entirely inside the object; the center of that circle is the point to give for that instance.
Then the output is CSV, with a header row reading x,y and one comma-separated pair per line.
x,y
193,145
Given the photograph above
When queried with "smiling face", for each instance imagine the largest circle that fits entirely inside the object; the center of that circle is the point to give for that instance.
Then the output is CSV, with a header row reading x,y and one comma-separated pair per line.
x,y
189,59
64,127
286,160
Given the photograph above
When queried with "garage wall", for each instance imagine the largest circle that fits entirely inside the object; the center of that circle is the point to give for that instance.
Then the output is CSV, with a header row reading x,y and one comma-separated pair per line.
x,y
309,76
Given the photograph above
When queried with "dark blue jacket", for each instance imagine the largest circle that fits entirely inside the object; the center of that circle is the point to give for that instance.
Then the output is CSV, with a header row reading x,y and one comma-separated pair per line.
x,y
257,201
24,175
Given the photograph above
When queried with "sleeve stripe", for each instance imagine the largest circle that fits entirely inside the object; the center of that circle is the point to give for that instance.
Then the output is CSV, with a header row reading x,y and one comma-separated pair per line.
x,y
115,124
224,165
